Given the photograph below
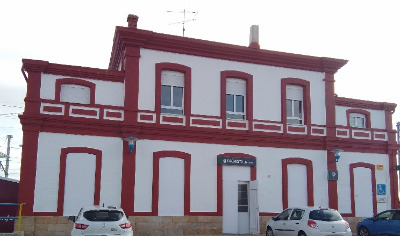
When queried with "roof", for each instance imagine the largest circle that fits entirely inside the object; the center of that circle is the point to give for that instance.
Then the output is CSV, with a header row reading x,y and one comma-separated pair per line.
x,y
130,37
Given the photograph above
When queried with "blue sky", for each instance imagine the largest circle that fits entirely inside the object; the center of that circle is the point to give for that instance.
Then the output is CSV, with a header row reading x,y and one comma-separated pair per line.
x,y
81,33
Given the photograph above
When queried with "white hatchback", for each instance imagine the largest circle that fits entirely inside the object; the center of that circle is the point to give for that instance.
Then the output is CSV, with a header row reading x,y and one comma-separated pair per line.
x,y
97,220
302,221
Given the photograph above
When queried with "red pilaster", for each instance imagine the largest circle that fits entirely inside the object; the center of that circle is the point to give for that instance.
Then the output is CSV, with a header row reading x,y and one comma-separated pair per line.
x,y
132,56
128,179
331,141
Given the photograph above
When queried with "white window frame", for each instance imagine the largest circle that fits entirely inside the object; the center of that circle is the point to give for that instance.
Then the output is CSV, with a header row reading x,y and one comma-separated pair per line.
x,y
360,120
236,88
173,79
294,94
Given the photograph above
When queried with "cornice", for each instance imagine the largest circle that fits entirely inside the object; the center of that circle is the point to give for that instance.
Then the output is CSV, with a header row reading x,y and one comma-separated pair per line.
x,y
72,71
356,103
127,37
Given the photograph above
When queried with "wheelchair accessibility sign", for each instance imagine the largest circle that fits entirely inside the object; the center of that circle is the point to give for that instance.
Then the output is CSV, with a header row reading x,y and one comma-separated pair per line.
x,y
381,189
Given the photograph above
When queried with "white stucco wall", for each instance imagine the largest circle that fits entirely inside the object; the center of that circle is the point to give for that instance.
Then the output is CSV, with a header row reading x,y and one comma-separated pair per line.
x,y
48,162
107,93
377,117
204,173
382,177
206,79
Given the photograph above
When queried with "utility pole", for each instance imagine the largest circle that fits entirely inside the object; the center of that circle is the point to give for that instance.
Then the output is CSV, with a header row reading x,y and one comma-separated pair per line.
x,y
9,137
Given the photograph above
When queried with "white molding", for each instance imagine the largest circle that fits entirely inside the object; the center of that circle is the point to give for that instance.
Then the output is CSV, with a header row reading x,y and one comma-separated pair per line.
x,y
52,105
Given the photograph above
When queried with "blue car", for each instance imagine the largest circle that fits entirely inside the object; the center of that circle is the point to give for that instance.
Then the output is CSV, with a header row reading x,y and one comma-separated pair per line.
x,y
386,222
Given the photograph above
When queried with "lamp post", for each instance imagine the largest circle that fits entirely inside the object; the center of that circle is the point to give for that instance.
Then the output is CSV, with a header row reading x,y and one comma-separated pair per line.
x,y
131,143
337,152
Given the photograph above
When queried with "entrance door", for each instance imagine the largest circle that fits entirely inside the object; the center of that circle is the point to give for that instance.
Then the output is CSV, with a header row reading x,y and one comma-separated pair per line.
x,y
254,210
363,198
243,208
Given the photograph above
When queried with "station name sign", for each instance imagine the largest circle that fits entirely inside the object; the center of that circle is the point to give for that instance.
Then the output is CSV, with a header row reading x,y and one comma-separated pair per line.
x,y
236,161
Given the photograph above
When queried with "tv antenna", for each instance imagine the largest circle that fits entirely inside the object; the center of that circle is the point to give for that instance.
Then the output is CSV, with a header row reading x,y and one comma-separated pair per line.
x,y
193,13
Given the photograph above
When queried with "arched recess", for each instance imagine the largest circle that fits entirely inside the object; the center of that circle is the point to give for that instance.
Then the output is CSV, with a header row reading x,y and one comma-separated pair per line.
x,y
352,185
63,162
253,176
90,85
310,184
156,167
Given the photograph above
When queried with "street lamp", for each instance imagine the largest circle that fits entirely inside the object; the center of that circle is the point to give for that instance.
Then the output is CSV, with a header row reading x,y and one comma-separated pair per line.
x,y
337,152
131,143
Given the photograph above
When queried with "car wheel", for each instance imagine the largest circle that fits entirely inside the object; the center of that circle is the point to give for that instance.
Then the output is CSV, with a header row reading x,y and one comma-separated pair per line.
x,y
269,232
301,233
363,231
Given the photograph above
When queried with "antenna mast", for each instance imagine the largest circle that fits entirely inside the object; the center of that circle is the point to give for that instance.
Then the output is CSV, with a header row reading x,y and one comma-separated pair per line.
x,y
184,19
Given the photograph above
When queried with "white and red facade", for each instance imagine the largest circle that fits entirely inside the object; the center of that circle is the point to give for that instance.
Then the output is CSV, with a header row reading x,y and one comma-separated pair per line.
x,y
74,152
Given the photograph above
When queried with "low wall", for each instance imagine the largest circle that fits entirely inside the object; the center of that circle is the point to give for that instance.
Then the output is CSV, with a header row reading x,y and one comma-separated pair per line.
x,y
145,225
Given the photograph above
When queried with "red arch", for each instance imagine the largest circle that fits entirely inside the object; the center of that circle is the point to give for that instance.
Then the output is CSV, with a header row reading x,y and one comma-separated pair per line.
x,y
310,183
156,167
253,176
61,183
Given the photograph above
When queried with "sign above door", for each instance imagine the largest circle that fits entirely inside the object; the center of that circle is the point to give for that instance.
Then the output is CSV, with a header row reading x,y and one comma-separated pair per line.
x,y
236,161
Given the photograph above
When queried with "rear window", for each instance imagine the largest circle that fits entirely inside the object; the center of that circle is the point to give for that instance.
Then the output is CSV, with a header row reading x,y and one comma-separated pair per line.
x,y
325,215
103,215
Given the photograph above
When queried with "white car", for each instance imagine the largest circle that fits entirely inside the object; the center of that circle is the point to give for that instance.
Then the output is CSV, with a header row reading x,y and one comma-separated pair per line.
x,y
302,221
97,220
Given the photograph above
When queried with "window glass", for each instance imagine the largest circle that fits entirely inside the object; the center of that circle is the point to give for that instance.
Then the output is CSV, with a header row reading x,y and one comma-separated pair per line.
x,y
75,94
357,120
294,104
172,92
103,215
165,95
229,102
297,214
235,98
243,202
325,215
385,215
284,215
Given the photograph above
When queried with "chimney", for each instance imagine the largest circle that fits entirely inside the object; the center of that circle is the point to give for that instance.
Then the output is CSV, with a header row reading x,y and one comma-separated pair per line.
x,y
254,41
132,21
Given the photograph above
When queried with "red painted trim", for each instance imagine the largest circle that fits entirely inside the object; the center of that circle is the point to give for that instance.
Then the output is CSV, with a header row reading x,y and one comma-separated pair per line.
x,y
78,111
61,183
362,104
315,130
81,82
285,184
199,121
72,71
268,127
361,134
113,114
297,129
306,101
187,71
394,186
146,117
52,109
249,94
156,166
373,182
131,66
379,136
151,40
342,132
234,124
172,119
253,176
128,179
28,173
367,115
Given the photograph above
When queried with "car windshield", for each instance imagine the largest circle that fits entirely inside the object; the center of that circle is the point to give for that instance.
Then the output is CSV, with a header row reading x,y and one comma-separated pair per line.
x,y
103,215
325,215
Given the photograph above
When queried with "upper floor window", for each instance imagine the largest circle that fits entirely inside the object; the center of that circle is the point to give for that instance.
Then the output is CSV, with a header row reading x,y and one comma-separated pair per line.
x,y
172,92
235,99
294,105
75,91
357,120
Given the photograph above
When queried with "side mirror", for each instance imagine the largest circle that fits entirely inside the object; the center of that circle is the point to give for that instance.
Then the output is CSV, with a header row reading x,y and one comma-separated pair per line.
x,y
71,218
